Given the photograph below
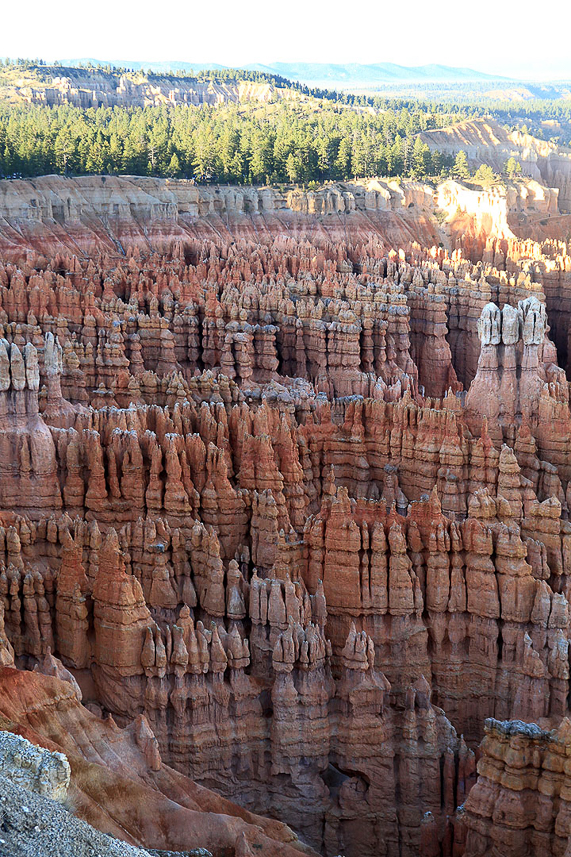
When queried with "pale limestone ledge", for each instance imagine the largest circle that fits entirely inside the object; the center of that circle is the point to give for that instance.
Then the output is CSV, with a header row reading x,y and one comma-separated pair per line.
x,y
69,199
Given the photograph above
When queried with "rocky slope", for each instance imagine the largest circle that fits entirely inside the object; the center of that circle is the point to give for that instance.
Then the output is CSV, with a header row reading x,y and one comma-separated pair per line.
x,y
33,783
285,490
114,779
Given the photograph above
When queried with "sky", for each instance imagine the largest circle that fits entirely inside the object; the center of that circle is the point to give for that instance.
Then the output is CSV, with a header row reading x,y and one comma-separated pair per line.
x,y
495,36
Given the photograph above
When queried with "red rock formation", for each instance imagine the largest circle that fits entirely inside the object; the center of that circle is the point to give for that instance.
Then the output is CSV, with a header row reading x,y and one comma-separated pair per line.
x,y
294,511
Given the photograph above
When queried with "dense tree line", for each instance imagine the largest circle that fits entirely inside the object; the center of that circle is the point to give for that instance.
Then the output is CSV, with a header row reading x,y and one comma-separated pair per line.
x,y
244,143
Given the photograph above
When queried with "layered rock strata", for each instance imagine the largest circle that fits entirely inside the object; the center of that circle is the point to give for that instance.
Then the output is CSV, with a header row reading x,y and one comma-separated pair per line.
x,y
115,214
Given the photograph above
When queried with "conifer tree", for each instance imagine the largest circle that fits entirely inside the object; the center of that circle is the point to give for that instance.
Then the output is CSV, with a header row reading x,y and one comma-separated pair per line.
x,y
461,168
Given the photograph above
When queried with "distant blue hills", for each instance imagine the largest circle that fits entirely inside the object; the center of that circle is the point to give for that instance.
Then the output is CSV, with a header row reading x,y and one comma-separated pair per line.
x,y
385,72
320,74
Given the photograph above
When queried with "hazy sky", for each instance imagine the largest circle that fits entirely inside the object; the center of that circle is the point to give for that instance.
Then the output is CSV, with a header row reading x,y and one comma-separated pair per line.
x,y
497,36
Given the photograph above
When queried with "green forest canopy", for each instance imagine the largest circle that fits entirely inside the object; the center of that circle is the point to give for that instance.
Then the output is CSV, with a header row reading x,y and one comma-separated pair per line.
x,y
242,143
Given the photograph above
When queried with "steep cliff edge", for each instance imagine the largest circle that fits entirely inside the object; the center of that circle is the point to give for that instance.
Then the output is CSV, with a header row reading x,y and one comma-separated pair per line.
x,y
519,210
114,214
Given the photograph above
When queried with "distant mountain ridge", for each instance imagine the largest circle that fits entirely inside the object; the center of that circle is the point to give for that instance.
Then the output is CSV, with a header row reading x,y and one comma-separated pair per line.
x,y
343,74
357,73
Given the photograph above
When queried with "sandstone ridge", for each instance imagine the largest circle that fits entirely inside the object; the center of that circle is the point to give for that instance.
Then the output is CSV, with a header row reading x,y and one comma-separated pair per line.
x,y
85,88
